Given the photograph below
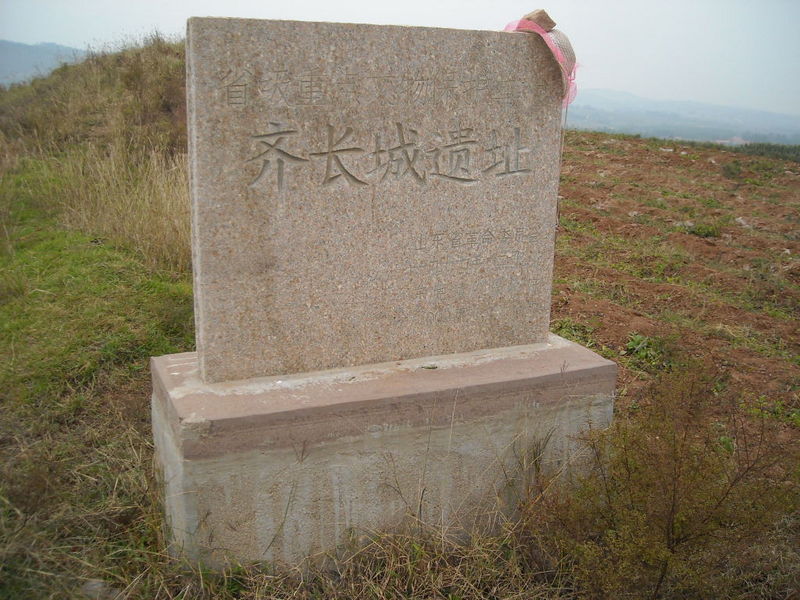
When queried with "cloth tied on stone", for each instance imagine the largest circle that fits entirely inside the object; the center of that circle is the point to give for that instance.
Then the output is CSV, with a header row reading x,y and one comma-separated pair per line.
x,y
539,22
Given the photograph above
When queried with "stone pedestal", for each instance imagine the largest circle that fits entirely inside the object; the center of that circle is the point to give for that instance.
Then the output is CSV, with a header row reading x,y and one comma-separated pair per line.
x,y
285,468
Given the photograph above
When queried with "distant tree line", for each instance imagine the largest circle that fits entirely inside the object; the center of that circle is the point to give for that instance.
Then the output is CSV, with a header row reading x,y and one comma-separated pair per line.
x,y
784,151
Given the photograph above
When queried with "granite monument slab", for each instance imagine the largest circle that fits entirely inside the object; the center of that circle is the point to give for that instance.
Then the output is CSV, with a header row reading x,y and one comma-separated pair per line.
x,y
366,193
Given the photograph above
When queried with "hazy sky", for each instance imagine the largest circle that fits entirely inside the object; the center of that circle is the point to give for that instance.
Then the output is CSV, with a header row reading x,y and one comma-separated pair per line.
x,y
733,52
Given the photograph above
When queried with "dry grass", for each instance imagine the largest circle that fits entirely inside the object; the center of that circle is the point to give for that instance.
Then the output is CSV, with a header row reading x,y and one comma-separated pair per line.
x,y
103,142
672,504
672,498
135,197
680,499
134,96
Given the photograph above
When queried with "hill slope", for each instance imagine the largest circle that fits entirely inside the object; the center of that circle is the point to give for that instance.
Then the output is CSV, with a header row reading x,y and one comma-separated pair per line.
x,y
680,262
20,62
621,112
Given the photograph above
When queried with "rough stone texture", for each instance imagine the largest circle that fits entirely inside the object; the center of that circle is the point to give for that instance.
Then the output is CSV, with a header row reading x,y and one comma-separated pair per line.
x,y
365,193
283,468
541,18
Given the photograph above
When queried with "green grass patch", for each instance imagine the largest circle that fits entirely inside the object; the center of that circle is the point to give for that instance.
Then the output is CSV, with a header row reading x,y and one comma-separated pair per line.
x,y
656,259
575,226
732,170
596,288
740,336
660,261
705,230
582,333
710,202
778,308
777,410
651,354
656,202
76,308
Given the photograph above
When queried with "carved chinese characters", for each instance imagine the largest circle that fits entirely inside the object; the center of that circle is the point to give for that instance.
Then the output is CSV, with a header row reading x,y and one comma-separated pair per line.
x,y
281,87
364,194
458,155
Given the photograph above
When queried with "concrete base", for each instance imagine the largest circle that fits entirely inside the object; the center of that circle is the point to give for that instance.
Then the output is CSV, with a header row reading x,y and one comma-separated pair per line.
x,y
284,468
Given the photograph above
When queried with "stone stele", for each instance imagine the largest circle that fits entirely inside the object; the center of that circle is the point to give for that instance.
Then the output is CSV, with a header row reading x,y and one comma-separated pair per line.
x,y
373,222
367,193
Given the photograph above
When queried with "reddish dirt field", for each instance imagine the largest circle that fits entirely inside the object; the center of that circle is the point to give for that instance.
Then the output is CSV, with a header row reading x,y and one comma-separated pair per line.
x,y
698,249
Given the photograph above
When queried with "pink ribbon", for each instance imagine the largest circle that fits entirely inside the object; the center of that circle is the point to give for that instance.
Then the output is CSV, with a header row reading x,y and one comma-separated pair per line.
x,y
568,67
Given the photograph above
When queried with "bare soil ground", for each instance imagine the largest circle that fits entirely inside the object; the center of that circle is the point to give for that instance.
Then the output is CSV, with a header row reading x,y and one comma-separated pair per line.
x,y
695,247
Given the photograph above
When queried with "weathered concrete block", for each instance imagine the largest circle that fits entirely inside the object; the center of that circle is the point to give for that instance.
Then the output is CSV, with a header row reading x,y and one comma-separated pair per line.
x,y
282,468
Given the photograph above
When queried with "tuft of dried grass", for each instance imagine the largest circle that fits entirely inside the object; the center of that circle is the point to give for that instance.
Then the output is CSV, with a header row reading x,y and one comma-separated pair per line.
x,y
139,197
674,498
102,146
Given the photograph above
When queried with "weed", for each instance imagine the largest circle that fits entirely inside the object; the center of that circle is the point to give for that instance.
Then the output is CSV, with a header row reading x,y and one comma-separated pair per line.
x,y
652,354
652,259
660,261
705,230
599,289
575,226
766,169
777,410
12,285
644,219
732,170
656,203
710,202
577,332
767,287
666,492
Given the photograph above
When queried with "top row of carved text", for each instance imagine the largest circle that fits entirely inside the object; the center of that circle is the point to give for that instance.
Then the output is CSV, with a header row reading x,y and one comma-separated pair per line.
x,y
282,87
